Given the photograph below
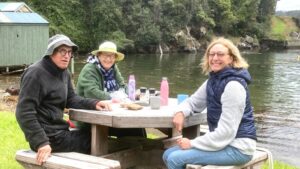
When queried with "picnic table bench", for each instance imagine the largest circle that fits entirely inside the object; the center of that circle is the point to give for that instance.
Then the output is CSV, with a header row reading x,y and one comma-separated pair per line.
x,y
135,157
257,161
261,155
27,158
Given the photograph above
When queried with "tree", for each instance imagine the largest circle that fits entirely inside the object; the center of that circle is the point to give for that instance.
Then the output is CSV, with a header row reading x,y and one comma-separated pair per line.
x,y
246,13
148,34
148,23
266,10
106,18
223,15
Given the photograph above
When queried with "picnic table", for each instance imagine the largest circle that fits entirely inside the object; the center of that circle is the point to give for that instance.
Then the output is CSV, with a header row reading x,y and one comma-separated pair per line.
x,y
133,157
123,118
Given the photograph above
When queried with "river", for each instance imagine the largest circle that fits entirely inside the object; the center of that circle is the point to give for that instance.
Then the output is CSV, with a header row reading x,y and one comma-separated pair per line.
x,y
275,91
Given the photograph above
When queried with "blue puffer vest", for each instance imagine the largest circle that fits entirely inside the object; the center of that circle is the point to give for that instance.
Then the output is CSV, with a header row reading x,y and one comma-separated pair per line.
x,y
215,88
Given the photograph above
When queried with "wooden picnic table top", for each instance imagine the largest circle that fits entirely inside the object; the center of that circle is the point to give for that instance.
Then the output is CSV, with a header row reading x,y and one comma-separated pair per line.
x,y
145,118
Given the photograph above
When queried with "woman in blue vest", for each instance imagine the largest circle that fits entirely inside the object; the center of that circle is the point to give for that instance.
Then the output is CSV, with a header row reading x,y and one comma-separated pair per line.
x,y
231,139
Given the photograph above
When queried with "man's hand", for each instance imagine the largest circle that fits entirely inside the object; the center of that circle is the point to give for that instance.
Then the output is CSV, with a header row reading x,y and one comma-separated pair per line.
x,y
43,154
103,106
184,143
178,120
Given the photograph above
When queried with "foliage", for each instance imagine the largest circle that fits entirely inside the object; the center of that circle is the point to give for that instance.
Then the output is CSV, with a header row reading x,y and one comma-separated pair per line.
x,y
265,10
246,13
147,34
148,23
62,17
120,39
12,139
223,15
295,14
281,27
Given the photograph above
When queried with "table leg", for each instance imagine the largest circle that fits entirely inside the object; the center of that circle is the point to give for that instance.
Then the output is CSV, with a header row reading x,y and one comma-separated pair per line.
x,y
175,132
99,142
191,131
188,132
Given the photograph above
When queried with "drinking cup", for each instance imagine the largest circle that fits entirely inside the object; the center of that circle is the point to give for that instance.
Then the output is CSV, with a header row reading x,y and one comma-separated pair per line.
x,y
181,97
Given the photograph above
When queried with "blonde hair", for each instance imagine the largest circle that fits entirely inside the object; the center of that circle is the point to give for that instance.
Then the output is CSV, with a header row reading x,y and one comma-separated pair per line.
x,y
238,60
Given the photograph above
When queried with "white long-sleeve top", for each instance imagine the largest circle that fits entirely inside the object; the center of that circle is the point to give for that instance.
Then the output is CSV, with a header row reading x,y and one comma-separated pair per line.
x,y
233,102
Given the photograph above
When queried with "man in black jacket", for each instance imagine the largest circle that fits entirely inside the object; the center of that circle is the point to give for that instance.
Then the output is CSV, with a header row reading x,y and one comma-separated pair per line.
x,y
45,91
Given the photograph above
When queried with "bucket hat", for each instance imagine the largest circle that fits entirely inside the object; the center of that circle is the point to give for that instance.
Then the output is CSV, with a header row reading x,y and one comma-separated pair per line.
x,y
58,40
109,47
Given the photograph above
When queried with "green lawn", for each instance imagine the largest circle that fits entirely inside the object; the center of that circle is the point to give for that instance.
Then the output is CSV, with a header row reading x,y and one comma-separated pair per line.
x,y
12,139
280,165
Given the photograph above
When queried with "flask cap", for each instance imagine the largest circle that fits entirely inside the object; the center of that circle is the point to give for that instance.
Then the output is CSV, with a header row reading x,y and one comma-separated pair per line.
x,y
143,89
131,76
152,91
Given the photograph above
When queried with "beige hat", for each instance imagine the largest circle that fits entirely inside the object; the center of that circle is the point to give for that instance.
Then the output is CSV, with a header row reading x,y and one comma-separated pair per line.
x,y
109,47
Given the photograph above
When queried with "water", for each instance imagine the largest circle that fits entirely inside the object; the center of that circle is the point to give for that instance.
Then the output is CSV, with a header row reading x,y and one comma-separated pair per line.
x,y
275,91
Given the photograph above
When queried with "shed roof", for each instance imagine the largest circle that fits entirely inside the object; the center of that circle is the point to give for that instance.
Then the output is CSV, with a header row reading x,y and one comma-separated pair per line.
x,y
17,17
14,7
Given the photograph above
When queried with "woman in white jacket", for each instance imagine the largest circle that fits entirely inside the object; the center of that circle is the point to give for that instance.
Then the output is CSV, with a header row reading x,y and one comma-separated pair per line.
x,y
231,139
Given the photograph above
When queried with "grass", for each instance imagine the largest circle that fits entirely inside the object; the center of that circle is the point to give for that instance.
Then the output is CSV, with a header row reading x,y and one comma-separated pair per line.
x,y
280,165
281,27
12,139
152,136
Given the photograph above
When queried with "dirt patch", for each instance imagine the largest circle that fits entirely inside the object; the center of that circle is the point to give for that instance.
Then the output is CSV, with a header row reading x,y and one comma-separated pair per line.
x,y
7,103
8,106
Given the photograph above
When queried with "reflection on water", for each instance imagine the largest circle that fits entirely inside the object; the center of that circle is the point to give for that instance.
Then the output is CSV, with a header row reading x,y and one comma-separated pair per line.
x,y
275,91
276,96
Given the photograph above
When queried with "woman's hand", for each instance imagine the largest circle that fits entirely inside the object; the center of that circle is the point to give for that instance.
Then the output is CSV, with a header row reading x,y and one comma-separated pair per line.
x,y
178,120
103,106
184,143
43,154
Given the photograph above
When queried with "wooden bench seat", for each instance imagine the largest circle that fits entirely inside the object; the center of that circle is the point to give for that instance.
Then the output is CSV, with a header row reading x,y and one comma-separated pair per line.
x,y
257,161
27,158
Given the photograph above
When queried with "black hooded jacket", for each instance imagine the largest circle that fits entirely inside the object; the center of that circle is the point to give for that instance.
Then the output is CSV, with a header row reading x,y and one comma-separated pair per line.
x,y
44,93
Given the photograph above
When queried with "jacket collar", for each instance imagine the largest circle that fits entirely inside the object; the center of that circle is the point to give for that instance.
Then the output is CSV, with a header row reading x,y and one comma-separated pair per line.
x,y
51,66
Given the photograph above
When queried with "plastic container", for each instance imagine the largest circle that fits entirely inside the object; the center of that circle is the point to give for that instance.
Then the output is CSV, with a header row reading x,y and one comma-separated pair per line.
x,y
164,91
144,95
131,88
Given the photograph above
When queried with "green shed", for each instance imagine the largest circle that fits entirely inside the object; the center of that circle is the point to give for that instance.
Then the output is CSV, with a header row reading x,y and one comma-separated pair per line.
x,y
23,35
